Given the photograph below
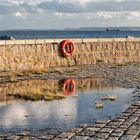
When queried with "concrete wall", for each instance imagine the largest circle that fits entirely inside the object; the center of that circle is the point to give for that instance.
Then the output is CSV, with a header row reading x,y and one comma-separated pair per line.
x,y
40,54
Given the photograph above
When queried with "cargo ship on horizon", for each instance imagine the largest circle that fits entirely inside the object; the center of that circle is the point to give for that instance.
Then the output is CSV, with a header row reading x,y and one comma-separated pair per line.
x,y
108,29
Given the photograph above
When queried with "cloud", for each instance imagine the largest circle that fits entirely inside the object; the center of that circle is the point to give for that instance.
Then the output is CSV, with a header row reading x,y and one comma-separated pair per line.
x,y
62,6
77,12
105,15
67,6
76,6
21,15
10,7
114,6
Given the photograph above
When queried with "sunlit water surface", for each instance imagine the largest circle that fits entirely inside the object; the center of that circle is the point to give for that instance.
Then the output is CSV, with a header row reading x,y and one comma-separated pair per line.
x,y
65,114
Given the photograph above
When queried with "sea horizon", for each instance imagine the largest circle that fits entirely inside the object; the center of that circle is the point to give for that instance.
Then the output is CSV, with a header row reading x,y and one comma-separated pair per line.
x,y
76,29
54,34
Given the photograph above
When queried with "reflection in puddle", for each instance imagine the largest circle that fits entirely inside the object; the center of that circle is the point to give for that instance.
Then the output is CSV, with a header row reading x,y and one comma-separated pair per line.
x,y
69,87
78,107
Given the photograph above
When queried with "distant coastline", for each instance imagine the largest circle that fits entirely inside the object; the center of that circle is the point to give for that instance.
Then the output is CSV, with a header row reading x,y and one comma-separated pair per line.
x,y
80,29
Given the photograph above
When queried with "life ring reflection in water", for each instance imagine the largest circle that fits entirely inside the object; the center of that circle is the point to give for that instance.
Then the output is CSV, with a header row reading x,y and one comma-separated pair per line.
x,y
69,87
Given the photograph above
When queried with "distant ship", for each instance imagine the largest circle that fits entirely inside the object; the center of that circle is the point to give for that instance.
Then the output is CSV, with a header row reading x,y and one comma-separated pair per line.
x,y
108,29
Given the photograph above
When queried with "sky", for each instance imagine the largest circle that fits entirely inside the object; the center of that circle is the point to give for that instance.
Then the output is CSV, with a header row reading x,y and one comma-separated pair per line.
x,y
61,14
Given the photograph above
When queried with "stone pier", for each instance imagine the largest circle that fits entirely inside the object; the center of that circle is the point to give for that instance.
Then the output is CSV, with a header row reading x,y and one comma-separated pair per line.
x,y
43,54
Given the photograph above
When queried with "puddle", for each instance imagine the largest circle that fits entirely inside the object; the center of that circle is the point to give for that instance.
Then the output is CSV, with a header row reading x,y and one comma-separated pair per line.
x,y
77,108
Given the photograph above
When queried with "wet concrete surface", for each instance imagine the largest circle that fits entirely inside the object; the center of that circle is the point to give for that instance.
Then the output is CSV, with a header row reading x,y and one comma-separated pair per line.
x,y
124,126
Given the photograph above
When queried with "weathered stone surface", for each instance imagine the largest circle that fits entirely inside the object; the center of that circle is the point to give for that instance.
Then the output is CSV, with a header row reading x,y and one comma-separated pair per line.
x,y
106,130
114,124
131,131
101,135
76,130
66,135
89,131
128,137
113,138
116,134
40,54
94,138
60,139
80,138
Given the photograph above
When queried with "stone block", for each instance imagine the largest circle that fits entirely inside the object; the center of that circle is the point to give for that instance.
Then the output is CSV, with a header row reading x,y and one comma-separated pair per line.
x,y
40,41
89,40
80,138
127,137
105,40
119,39
10,42
2,43
27,42
20,42
106,130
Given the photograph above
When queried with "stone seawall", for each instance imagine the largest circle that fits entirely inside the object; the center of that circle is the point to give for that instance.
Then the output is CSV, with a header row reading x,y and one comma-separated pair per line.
x,y
40,54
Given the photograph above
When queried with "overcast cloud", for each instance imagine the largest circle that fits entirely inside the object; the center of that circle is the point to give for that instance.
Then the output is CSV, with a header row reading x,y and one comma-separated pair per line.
x,y
45,14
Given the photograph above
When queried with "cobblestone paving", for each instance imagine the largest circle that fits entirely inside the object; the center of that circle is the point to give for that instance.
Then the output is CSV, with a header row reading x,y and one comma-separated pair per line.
x,y
125,126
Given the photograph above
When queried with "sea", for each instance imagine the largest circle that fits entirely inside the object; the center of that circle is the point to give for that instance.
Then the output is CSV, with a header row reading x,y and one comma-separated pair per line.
x,y
42,34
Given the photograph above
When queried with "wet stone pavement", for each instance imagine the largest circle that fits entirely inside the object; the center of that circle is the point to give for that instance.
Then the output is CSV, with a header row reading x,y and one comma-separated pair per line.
x,y
125,126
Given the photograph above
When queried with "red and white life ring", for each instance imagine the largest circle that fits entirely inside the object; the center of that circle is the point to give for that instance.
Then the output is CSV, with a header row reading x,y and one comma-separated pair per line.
x,y
67,48
69,87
